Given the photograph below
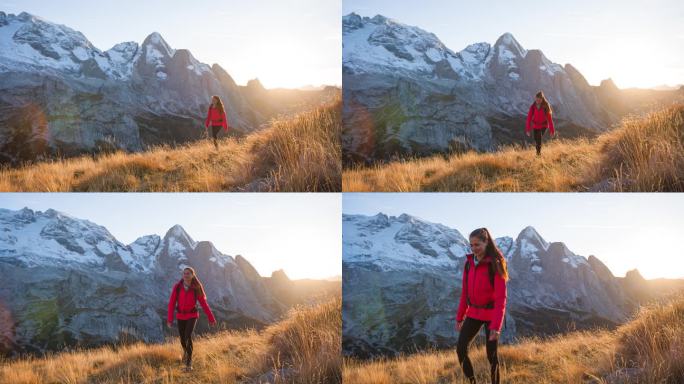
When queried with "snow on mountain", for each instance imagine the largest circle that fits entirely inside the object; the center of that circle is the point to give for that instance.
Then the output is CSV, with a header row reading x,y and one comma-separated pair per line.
x,y
51,237
399,242
405,241
36,238
531,243
27,40
385,43
508,52
120,59
380,44
143,252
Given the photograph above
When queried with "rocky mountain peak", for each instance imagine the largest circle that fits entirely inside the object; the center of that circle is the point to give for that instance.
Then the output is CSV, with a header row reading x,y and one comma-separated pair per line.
x,y
405,218
156,39
25,16
178,233
255,85
634,276
507,40
601,270
280,276
609,85
380,19
176,230
247,268
531,233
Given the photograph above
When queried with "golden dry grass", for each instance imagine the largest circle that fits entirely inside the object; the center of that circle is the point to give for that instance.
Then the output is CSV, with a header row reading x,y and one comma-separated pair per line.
x,y
303,348
649,349
301,153
643,154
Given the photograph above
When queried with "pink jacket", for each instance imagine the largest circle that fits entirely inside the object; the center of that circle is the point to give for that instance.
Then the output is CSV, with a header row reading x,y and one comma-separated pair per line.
x,y
216,118
186,304
481,293
538,119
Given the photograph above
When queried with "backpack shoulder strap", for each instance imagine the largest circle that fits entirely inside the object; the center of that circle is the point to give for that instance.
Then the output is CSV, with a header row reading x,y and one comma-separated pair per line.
x,y
178,288
492,271
465,277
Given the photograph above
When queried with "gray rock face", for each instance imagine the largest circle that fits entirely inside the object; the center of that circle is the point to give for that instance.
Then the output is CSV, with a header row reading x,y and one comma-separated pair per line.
x,y
405,92
69,282
402,283
60,94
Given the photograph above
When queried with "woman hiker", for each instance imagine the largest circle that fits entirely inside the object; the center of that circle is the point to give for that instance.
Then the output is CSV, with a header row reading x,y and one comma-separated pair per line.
x,y
184,297
539,118
483,301
216,118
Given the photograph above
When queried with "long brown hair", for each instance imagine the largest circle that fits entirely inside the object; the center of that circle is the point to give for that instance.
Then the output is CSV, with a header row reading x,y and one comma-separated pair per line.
x,y
195,283
544,103
492,250
219,103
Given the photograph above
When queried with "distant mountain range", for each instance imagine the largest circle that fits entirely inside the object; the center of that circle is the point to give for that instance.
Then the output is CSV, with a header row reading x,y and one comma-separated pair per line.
x,y
402,283
69,282
406,93
61,95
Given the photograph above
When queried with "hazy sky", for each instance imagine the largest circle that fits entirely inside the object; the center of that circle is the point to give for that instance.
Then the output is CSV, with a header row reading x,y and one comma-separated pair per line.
x,y
624,230
300,233
637,43
284,43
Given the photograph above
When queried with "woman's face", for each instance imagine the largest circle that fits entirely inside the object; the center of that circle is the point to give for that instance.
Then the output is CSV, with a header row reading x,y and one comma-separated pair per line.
x,y
213,101
478,246
538,100
187,275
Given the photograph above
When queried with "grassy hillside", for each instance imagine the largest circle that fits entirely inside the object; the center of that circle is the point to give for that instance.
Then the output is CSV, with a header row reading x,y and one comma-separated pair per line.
x,y
649,349
643,154
303,348
301,153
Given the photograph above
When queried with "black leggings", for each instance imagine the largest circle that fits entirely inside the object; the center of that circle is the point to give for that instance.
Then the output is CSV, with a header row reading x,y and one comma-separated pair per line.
x,y
469,329
185,329
538,138
215,129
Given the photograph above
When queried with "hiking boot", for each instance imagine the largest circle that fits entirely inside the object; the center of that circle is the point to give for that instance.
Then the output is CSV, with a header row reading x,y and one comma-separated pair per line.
x,y
188,368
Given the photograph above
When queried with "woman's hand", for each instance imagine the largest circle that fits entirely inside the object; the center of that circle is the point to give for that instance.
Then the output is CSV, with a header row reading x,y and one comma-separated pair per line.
x,y
494,335
168,324
459,324
528,134
212,324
